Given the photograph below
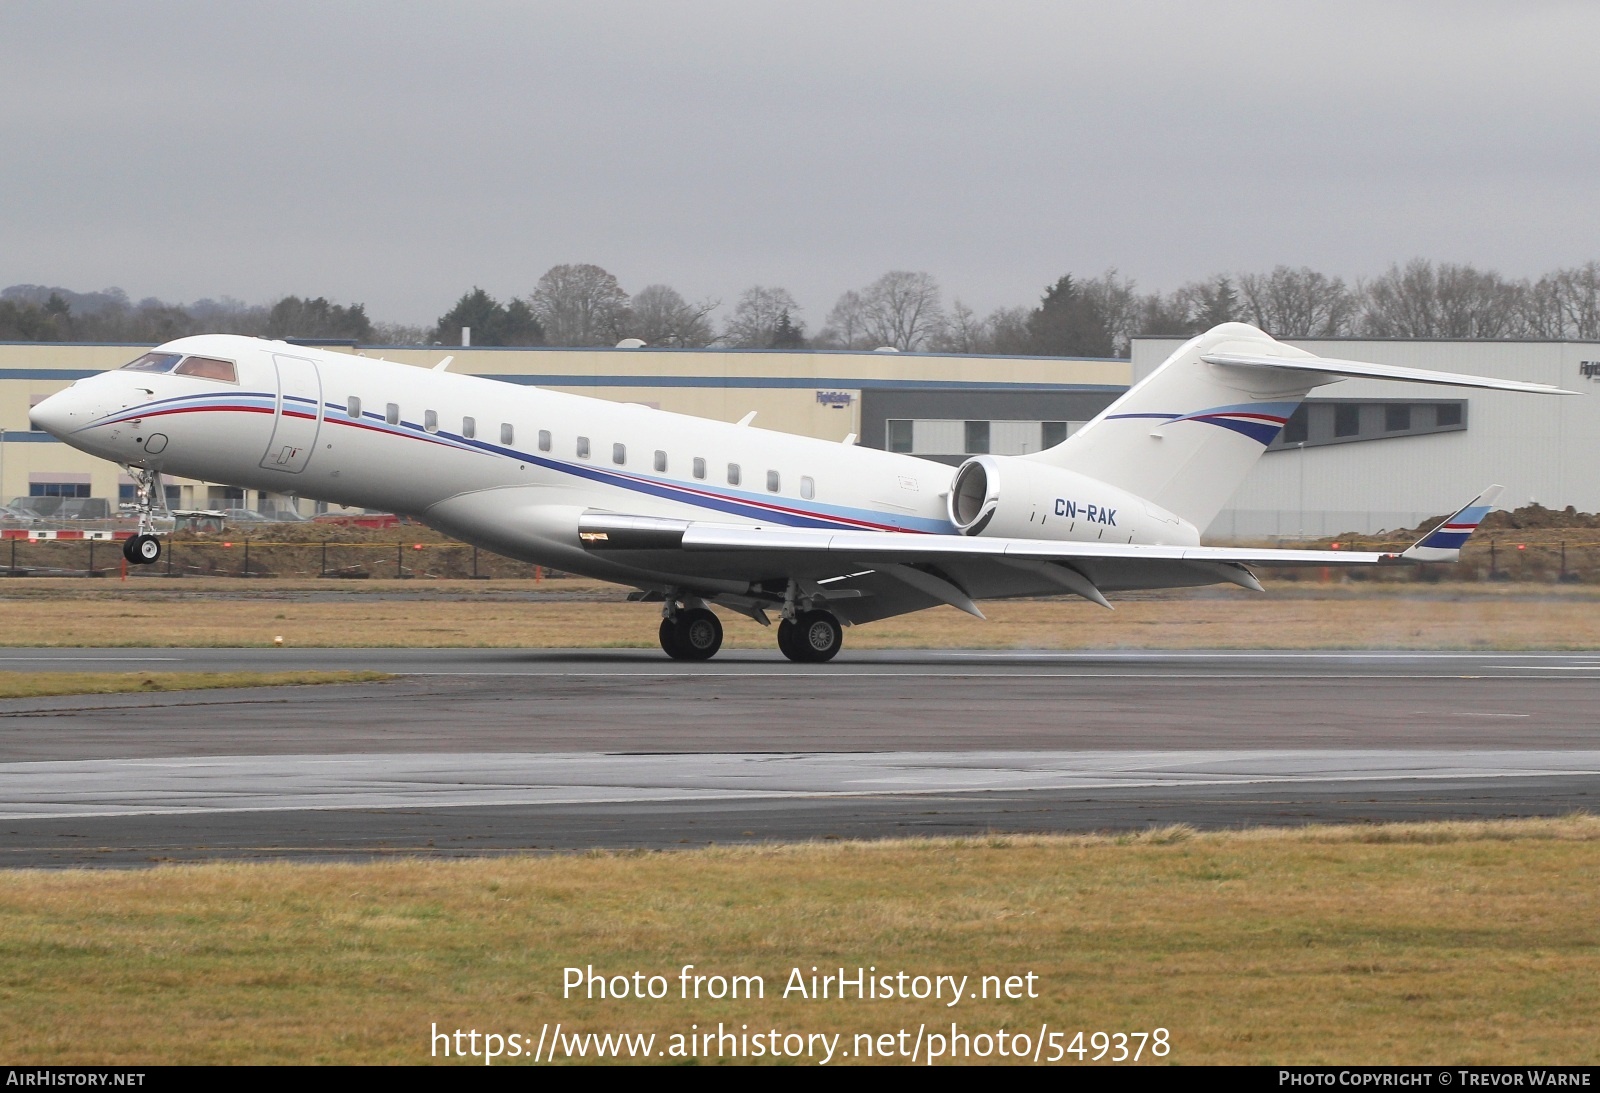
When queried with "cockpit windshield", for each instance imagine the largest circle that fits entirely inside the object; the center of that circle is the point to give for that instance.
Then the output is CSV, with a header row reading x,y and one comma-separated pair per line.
x,y
206,368
153,362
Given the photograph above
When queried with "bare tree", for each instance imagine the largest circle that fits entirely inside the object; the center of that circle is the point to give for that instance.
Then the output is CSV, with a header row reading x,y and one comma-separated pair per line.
x,y
1297,303
963,332
1450,301
758,317
902,309
660,316
579,305
1008,331
847,324
1578,295
1112,297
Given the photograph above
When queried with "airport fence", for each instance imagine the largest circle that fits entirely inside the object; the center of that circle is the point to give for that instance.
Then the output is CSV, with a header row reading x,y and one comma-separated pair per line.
x,y
245,557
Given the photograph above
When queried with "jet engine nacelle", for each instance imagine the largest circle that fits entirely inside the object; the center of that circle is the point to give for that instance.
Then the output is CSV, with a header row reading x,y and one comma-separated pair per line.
x,y
1015,498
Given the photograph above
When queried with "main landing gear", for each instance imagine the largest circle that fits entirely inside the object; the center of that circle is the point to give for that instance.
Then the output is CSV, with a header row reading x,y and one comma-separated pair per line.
x,y
811,637
692,633
144,548
807,633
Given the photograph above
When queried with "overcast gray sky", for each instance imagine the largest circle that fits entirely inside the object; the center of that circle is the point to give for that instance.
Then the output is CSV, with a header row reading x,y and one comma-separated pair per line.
x,y
398,154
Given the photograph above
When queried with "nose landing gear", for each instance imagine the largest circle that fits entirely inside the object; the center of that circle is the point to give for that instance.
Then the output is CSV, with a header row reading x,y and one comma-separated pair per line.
x,y
144,548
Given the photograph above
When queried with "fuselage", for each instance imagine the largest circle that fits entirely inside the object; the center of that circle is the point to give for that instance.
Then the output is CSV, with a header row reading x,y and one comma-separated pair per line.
x,y
505,466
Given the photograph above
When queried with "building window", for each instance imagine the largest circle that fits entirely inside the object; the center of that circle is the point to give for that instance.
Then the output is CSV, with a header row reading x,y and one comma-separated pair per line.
x,y
1347,419
699,467
352,407
661,462
430,420
1447,413
58,489
1052,433
1397,417
733,474
773,482
977,437
391,413
544,440
1294,430
507,433
619,454
899,434
808,488
583,447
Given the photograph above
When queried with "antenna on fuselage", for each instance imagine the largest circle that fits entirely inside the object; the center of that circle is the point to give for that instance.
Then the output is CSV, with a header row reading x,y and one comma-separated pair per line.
x,y
442,365
748,418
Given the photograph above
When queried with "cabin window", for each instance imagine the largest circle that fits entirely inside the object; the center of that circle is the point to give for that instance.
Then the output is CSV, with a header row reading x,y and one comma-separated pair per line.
x,y
391,413
1397,417
544,440
508,435
619,454
733,474
352,407
808,488
469,427
208,368
1448,413
583,447
699,467
661,462
772,482
430,420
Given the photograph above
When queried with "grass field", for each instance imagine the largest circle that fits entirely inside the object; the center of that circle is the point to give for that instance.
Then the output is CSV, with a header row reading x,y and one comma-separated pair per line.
x,y
39,684
566,613
1438,943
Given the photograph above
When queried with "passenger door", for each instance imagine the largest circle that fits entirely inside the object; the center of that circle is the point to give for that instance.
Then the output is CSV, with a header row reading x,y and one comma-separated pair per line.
x,y
297,416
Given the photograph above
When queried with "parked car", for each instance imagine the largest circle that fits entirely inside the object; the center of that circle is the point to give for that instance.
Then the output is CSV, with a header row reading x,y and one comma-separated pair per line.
x,y
17,516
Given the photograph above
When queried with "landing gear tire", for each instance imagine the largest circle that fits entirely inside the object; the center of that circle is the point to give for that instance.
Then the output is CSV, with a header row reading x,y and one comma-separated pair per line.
x,y
813,638
669,639
698,634
789,641
142,550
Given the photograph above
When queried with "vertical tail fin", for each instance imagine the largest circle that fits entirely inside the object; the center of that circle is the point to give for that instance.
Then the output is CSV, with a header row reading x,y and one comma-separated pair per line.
x,y
1186,435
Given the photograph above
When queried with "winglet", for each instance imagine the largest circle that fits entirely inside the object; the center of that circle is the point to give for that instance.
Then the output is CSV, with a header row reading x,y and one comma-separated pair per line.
x,y
1443,543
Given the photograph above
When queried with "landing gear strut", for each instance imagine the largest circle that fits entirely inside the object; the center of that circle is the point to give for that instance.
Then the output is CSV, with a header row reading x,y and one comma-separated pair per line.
x,y
692,633
144,548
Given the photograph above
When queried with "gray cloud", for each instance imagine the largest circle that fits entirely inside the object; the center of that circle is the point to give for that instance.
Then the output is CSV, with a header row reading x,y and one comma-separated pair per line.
x,y
397,153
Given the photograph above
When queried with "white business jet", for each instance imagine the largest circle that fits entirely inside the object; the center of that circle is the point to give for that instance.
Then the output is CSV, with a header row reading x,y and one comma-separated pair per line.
x,y
695,512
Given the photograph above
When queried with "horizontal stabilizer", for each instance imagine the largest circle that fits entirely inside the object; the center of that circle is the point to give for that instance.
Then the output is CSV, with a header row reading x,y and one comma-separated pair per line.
x,y
1443,543
1340,369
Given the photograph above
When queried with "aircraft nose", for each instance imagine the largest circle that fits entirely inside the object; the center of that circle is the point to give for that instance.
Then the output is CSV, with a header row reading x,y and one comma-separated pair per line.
x,y
54,414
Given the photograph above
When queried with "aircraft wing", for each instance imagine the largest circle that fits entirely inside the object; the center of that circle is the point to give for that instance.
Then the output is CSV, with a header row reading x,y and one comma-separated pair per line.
x,y
849,566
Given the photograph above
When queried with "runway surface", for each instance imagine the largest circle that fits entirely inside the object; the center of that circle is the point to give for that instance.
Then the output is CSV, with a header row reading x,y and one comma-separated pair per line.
x,y
493,750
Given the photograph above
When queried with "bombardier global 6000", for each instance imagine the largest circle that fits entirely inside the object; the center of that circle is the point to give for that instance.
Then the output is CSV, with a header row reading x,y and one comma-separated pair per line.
x,y
693,512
